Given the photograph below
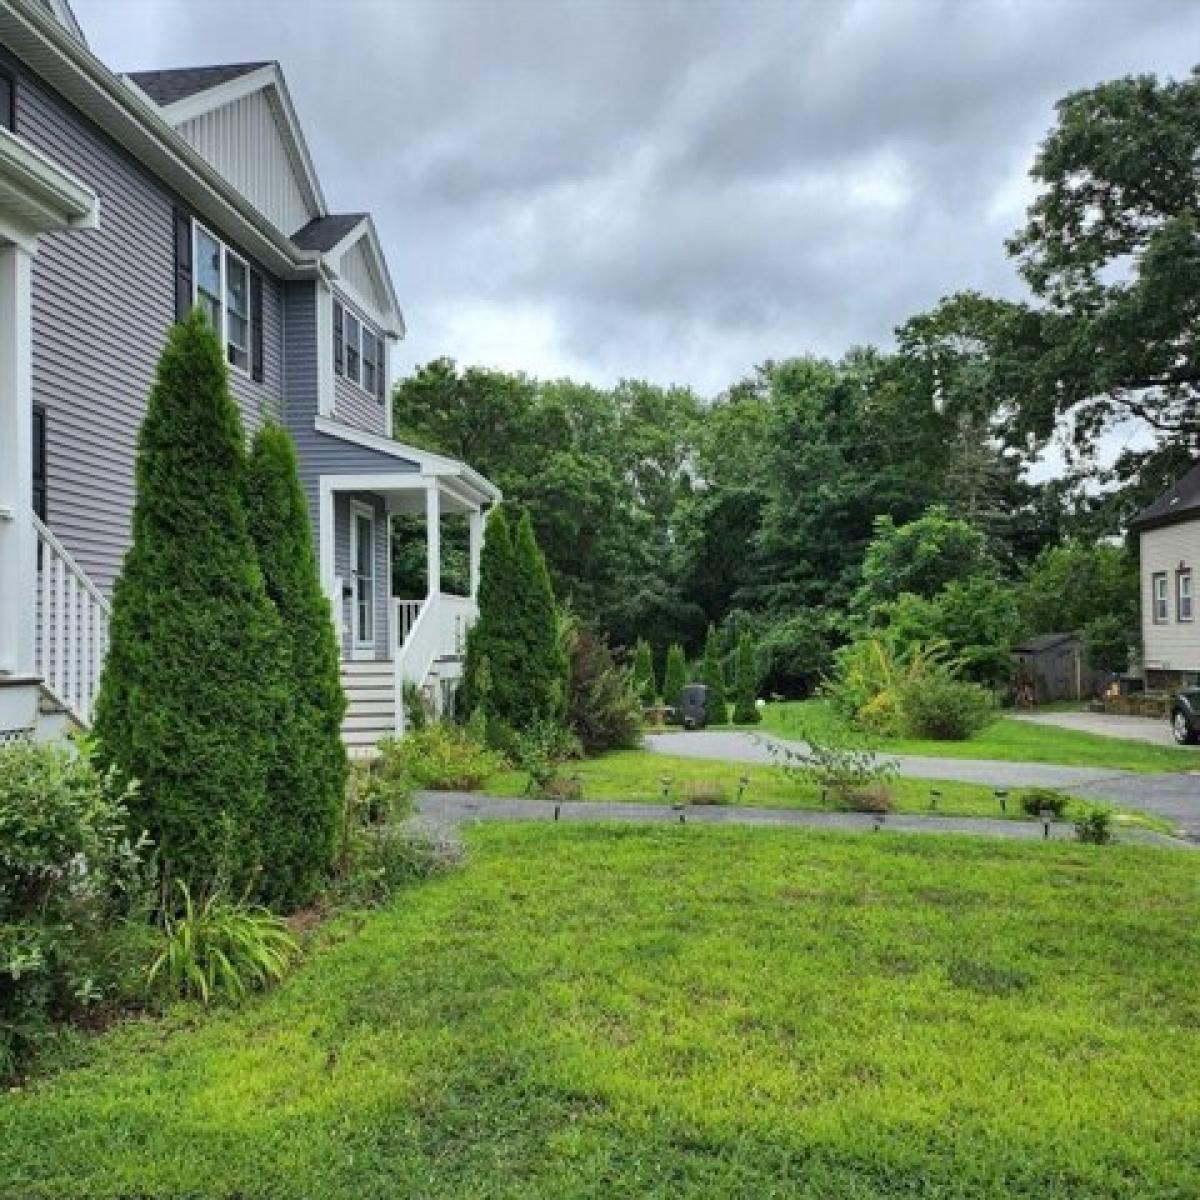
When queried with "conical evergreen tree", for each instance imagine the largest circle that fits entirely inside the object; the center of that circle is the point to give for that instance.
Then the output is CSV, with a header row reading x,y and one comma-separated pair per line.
x,y
307,783
714,679
674,678
643,674
188,692
745,710
542,695
490,648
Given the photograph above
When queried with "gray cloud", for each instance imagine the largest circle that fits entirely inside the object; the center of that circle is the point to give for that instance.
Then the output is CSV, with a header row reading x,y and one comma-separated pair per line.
x,y
668,189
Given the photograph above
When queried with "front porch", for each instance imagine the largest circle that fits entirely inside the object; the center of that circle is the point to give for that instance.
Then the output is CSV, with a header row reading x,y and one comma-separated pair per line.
x,y
401,604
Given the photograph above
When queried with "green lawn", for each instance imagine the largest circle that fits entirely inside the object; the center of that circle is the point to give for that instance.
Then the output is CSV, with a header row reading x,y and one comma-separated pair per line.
x,y
637,776
679,1012
1005,739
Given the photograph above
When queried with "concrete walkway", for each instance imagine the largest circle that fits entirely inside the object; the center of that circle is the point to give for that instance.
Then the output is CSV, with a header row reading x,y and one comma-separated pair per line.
x,y
1173,796
1153,731
450,809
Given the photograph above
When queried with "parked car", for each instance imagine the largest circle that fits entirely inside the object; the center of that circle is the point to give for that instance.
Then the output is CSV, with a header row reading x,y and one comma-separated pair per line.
x,y
1185,717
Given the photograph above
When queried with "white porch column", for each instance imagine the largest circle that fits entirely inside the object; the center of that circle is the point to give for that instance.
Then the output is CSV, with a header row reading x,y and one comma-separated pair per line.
x,y
475,533
433,537
18,541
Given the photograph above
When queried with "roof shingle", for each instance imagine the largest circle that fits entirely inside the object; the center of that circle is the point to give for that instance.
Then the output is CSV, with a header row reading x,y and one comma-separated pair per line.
x,y
177,83
323,233
1180,503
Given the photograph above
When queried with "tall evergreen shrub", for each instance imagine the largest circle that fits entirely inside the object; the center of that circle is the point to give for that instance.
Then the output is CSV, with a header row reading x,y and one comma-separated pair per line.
x,y
191,684
674,678
307,782
643,674
714,679
542,694
745,708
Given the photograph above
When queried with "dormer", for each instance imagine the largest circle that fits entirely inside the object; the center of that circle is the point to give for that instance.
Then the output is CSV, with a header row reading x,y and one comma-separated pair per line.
x,y
240,118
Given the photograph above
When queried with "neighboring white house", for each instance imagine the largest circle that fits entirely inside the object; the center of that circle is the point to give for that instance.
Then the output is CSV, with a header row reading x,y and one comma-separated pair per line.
x,y
124,202
1169,553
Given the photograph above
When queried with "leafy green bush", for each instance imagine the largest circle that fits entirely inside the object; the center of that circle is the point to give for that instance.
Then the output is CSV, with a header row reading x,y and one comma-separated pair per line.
x,y
540,753
384,858
846,769
69,874
1095,825
440,758
416,711
946,709
215,948
1036,801
869,675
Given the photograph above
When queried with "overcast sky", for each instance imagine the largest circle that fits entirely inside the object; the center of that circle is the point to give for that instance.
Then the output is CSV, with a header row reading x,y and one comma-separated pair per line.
x,y
669,190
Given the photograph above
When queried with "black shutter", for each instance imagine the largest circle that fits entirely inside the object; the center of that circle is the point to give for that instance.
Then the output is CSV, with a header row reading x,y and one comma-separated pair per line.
x,y
339,339
256,326
183,264
39,462
380,367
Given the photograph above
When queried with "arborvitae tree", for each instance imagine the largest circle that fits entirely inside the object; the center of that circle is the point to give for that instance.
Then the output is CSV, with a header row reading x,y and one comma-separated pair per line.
x,y
189,690
643,674
488,676
542,695
674,678
307,783
745,710
714,679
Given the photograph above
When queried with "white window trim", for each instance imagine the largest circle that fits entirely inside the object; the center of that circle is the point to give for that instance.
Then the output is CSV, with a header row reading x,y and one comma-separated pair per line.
x,y
223,332
1180,576
1160,577
349,310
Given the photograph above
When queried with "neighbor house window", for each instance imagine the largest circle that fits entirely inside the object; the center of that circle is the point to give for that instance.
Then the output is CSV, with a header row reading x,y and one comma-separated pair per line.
x,y
223,292
358,351
1159,587
1183,595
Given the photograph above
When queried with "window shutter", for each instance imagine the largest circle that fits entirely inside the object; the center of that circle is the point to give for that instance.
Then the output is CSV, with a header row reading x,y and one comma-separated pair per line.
x,y
380,367
183,264
339,339
256,326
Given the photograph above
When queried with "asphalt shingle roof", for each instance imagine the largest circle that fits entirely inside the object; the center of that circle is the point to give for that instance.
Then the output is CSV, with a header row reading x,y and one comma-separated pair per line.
x,y
1180,503
323,233
166,87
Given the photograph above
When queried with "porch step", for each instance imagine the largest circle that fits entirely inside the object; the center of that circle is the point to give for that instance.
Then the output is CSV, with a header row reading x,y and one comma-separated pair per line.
x,y
370,690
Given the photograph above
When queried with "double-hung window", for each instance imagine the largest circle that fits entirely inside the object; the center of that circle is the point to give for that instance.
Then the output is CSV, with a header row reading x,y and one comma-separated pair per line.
x,y
1183,595
223,292
358,351
1158,585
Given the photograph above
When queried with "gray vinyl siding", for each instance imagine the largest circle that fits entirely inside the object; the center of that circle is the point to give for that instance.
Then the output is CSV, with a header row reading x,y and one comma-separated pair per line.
x,y
102,302
355,407
343,566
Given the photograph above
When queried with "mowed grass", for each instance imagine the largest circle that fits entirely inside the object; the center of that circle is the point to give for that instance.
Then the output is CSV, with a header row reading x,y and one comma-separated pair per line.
x,y
637,776
1005,739
680,1012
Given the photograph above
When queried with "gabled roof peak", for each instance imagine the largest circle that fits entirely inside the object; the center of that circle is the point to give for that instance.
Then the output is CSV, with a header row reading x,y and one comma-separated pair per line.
x,y
178,83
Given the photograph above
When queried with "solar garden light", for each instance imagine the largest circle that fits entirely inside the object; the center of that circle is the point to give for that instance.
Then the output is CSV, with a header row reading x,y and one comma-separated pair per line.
x,y
878,822
934,797
1047,817
1002,796
557,810
743,784
666,788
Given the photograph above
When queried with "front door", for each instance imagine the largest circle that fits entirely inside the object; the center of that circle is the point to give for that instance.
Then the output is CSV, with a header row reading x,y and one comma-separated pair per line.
x,y
362,557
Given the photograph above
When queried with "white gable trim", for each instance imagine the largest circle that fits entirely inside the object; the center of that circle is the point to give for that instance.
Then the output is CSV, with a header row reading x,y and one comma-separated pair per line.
x,y
269,79
388,315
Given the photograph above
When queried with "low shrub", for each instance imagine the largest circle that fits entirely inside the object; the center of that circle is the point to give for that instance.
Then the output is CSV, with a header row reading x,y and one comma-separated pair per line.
x,y
70,877
1095,825
946,709
1036,801
876,798
846,769
383,858
440,758
416,707
220,949
540,753
704,791
604,708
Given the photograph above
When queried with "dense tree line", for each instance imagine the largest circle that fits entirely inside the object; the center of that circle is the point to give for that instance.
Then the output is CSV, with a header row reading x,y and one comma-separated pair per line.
x,y
661,514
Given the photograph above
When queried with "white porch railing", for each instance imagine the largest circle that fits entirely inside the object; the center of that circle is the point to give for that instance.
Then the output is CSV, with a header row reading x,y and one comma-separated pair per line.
x,y
438,631
404,616
72,628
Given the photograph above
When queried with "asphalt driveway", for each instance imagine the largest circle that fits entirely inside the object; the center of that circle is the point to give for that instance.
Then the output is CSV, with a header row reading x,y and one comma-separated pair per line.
x,y
1154,731
1173,796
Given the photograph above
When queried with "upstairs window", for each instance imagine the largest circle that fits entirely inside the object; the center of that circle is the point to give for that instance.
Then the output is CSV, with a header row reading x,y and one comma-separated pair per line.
x,y
1158,585
1183,595
358,351
223,287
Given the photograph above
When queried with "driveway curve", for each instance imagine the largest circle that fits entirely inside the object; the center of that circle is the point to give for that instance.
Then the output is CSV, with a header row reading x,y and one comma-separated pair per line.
x,y
1172,796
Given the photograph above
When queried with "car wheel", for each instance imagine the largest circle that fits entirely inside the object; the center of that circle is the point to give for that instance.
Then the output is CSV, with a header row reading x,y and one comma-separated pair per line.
x,y
1182,729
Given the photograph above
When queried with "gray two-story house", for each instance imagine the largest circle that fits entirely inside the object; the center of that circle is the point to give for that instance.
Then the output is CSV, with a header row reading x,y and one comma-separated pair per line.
x,y
124,201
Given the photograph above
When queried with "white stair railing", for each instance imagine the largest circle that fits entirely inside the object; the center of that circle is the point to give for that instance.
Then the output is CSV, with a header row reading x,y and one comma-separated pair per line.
x,y
72,628
439,631
404,617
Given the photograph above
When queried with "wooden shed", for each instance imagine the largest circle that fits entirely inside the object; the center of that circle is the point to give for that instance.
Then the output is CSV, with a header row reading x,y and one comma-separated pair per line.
x,y
1056,665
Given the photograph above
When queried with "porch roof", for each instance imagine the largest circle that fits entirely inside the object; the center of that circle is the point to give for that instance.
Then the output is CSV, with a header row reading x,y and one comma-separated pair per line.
x,y
401,468
36,195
